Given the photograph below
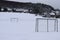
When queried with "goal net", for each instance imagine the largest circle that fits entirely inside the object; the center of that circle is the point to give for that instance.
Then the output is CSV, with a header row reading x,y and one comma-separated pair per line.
x,y
46,25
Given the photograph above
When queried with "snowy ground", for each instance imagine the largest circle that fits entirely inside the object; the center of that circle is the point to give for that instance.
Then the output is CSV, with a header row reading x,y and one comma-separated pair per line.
x,y
22,28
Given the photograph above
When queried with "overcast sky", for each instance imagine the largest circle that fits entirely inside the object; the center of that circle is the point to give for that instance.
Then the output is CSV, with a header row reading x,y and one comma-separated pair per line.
x,y
54,3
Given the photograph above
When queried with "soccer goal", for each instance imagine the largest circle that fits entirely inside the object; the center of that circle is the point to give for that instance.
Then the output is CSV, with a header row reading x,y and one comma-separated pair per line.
x,y
46,25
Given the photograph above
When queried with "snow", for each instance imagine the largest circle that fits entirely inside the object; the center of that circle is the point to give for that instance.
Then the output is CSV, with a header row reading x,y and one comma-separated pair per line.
x,y
23,28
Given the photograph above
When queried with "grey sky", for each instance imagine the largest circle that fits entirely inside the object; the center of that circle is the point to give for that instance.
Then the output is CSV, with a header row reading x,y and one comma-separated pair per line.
x,y
54,3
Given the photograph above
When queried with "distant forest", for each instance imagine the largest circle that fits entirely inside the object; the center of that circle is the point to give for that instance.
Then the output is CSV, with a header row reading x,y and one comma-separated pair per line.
x,y
33,8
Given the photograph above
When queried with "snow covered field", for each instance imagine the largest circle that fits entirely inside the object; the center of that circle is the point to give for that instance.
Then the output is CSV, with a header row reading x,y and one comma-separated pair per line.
x,y
21,26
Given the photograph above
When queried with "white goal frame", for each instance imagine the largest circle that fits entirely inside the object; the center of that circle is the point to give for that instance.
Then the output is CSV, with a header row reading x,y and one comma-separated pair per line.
x,y
55,24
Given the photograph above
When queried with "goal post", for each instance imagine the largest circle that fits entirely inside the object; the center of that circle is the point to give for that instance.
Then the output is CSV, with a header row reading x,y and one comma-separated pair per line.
x,y
46,25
